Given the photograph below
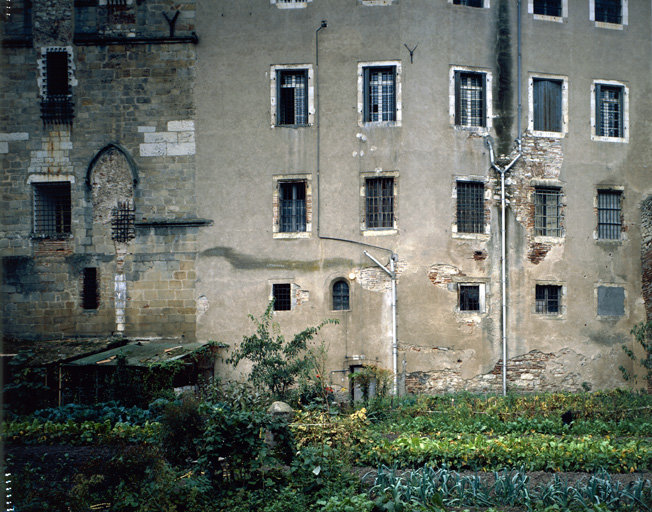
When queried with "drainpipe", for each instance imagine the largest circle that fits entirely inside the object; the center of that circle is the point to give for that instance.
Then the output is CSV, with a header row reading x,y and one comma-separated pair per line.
x,y
503,288
391,271
324,24
519,72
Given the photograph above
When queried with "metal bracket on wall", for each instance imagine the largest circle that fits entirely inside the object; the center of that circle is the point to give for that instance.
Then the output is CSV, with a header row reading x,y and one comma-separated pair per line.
x,y
411,51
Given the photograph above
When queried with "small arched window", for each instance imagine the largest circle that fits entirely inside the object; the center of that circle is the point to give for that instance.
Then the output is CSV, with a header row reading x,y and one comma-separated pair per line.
x,y
340,295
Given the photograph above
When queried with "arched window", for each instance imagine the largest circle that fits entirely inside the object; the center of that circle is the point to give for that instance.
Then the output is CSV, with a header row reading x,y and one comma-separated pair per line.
x,y
340,295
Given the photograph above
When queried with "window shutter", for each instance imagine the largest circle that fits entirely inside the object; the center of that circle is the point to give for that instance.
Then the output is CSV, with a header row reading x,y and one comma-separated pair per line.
x,y
483,121
279,119
554,100
598,110
366,95
537,105
458,99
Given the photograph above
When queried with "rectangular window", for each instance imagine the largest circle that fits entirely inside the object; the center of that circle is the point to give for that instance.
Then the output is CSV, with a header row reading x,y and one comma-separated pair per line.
x,y
379,94
470,98
122,222
282,294
90,289
608,11
469,297
547,211
548,299
85,17
548,7
609,110
609,214
547,104
292,206
470,207
379,203
470,3
52,212
56,105
18,19
292,97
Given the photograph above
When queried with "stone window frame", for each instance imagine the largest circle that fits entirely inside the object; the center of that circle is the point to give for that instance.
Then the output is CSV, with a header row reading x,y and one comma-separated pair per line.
x,y
294,289
284,178
488,199
563,291
290,4
452,98
398,106
481,283
273,74
625,102
549,183
44,179
364,176
624,11
623,227
42,78
486,4
340,279
544,17
625,301
564,105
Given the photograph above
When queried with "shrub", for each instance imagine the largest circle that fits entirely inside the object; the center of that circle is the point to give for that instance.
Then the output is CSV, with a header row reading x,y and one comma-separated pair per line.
x,y
181,424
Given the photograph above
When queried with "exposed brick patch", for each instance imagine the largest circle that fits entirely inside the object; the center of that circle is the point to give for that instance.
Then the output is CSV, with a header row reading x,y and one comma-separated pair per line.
x,y
479,255
538,252
441,274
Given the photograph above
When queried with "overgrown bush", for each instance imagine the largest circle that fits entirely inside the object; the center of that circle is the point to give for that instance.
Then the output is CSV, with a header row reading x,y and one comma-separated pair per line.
x,y
181,425
642,333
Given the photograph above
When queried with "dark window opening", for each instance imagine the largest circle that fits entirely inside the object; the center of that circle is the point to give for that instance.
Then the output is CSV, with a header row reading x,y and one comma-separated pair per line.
x,y
547,211
292,206
18,19
469,3
90,289
122,222
470,98
52,211
379,203
609,111
547,103
340,296
379,94
85,17
470,207
282,294
609,214
292,97
608,11
548,7
547,299
469,297
57,106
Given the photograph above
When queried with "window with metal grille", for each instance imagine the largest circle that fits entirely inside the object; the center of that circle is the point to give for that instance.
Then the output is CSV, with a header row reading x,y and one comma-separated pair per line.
x,y
609,214
547,211
340,295
548,299
608,11
470,3
470,103
547,103
122,222
90,289
379,203
57,106
548,7
470,207
18,19
609,110
86,17
282,294
52,211
379,94
469,297
292,97
292,206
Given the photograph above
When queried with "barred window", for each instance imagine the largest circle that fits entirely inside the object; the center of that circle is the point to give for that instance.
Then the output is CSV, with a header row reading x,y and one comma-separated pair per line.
x,y
379,94
122,222
379,203
547,211
548,299
292,206
609,110
469,296
609,214
548,7
470,207
90,289
469,3
340,295
292,97
608,11
57,106
470,98
52,209
282,293
547,104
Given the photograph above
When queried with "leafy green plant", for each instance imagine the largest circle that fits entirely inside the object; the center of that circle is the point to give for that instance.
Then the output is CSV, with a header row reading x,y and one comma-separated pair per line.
x,y
27,388
181,424
643,336
369,375
276,363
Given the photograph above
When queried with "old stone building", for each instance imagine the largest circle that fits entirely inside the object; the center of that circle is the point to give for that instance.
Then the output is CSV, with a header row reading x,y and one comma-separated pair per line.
x,y
343,157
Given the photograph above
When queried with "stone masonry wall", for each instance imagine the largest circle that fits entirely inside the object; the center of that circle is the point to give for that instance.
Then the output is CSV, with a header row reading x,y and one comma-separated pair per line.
x,y
646,254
